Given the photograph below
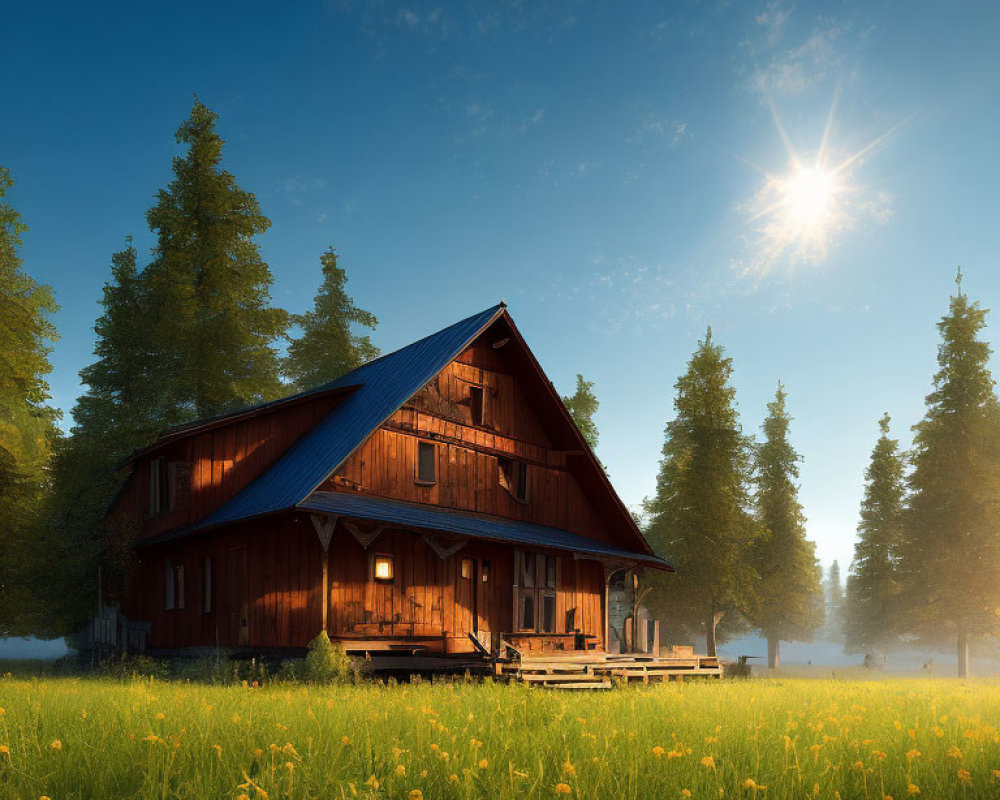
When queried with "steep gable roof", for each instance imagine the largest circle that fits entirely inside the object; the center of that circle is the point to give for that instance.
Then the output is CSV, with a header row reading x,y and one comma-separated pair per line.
x,y
376,390
383,385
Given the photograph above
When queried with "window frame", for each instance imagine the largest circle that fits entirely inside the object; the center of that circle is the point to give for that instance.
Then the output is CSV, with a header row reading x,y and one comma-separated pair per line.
x,y
390,559
477,391
421,479
513,476
536,581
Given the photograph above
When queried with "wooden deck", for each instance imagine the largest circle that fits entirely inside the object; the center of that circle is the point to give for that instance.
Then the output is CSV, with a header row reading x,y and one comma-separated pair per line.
x,y
599,670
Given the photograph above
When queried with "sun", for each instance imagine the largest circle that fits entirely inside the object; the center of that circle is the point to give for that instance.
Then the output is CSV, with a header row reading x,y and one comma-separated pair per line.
x,y
798,214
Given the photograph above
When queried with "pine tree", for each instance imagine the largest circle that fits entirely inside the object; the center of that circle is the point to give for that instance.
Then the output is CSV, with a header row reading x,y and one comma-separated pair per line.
x,y
582,405
327,347
785,558
119,412
27,424
700,517
209,290
950,556
873,586
833,592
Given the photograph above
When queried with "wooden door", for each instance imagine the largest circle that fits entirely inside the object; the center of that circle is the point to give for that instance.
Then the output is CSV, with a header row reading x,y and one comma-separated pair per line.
x,y
236,596
474,598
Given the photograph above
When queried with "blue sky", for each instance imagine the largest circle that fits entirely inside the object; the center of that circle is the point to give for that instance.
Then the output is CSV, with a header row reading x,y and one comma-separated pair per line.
x,y
597,165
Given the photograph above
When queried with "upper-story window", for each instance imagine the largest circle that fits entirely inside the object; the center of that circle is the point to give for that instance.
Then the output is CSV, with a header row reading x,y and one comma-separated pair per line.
x,y
477,404
426,462
514,478
159,487
169,486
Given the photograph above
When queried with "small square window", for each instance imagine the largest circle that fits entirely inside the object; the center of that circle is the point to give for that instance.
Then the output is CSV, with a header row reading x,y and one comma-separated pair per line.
x,y
384,568
426,462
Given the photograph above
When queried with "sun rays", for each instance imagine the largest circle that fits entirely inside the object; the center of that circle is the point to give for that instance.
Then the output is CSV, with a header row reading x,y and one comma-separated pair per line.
x,y
798,215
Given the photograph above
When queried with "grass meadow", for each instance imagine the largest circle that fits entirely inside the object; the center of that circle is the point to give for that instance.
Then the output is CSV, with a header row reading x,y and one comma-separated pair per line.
x,y
64,738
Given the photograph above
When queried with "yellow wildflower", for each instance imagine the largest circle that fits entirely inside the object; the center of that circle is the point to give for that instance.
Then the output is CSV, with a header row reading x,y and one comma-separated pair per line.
x,y
400,770
242,797
685,792
345,740
289,766
965,776
56,744
675,754
711,739
563,788
954,752
415,794
423,773
879,755
161,715
749,783
569,769
858,765
815,790
4,750
483,763
218,750
44,797
658,751
373,782
453,778
912,754
912,788
708,762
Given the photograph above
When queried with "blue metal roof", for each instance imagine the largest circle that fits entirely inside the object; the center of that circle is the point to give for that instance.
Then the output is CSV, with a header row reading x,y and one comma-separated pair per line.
x,y
384,385
474,525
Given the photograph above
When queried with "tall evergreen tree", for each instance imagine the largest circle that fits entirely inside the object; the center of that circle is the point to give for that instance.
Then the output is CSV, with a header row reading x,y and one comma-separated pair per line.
x,y
119,412
582,405
27,423
785,558
327,347
833,592
700,517
209,288
873,586
950,556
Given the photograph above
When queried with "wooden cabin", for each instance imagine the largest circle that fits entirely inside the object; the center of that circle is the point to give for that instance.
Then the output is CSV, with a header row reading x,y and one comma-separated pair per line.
x,y
437,500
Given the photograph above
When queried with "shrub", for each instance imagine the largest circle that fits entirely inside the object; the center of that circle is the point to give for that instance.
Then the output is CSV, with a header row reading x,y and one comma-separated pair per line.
x,y
327,662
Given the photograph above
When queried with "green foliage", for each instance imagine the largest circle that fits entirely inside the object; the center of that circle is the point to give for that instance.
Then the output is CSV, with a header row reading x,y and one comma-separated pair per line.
x,y
327,348
208,287
950,554
327,662
785,559
27,424
873,587
582,405
700,518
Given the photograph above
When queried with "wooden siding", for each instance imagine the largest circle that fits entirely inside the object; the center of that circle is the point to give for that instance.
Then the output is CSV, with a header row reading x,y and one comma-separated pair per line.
x,y
468,472
222,461
273,567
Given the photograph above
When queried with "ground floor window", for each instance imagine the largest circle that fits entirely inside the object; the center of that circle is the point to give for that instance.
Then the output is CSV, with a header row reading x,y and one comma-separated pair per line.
x,y
536,581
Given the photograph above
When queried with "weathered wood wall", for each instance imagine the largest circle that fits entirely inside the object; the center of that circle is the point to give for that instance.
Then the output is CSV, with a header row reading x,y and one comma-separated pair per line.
x,y
274,567
222,461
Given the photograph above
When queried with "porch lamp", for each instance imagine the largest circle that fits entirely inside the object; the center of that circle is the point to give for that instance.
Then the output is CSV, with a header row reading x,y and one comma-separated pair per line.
x,y
383,568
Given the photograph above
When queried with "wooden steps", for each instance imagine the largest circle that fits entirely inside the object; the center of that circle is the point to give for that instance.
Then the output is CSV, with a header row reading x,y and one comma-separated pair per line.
x,y
597,670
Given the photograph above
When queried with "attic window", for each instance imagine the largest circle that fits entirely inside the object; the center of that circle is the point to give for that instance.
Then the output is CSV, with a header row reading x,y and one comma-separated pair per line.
x,y
514,478
426,463
477,405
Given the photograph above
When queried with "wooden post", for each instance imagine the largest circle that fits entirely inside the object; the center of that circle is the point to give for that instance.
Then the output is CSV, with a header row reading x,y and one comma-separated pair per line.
x,y
628,646
324,526
643,636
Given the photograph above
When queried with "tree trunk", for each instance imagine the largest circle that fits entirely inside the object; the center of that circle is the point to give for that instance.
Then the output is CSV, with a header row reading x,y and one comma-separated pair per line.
x,y
963,655
773,652
710,636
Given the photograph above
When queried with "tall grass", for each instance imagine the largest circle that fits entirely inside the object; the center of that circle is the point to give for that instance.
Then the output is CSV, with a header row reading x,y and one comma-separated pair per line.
x,y
100,738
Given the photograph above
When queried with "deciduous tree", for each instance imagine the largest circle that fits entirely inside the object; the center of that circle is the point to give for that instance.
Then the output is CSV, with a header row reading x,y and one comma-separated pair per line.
x,y
27,423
